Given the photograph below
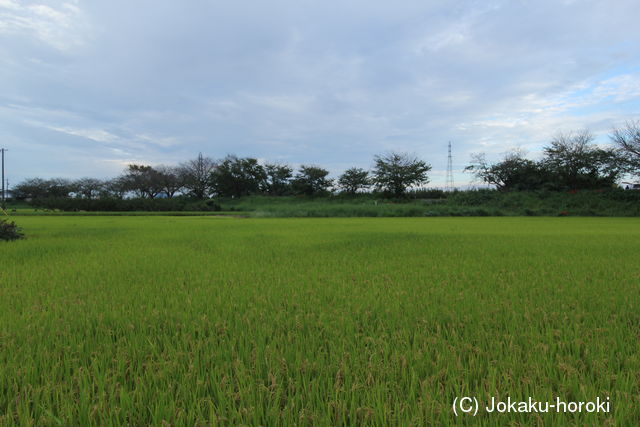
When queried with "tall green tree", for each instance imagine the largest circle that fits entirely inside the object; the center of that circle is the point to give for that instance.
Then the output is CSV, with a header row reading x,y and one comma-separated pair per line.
x,y
278,181
312,181
577,163
513,172
354,180
394,173
234,177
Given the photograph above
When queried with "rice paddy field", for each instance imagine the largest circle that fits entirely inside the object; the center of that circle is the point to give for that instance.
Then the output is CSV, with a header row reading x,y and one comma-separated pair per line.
x,y
336,321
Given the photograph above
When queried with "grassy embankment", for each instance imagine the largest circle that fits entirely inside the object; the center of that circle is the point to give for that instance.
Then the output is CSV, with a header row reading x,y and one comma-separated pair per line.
x,y
48,212
298,321
467,203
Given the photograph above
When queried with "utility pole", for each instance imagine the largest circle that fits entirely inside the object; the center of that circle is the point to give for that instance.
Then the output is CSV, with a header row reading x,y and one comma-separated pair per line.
x,y
3,194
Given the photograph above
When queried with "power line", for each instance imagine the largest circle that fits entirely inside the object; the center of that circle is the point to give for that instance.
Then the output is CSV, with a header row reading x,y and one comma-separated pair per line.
x,y
449,182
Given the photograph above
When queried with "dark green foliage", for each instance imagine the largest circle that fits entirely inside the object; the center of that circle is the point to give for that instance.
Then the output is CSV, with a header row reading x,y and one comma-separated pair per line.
x,y
575,163
311,181
475,197
427,193
394,173
485,202
235,177
278,182
514,172
354,180
570,162
175,204
88,188
170,180
115,188
611,202
10,231
144,181
37,188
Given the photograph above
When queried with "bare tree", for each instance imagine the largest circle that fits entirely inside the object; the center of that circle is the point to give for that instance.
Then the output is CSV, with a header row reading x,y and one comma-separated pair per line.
x,y
116,188
580,164
88,188
196,174
569,153
37,188
143,180
627,139
170,180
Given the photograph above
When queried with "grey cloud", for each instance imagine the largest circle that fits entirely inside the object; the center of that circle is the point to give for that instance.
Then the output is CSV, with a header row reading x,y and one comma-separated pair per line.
x,y
331,83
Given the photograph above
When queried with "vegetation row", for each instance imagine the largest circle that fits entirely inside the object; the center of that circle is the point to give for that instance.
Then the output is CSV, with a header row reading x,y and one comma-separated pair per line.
x,y
571,162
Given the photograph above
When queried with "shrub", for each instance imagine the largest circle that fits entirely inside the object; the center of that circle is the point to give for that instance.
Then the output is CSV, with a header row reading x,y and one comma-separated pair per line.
x,y
175,204
10,231
427,193
475,197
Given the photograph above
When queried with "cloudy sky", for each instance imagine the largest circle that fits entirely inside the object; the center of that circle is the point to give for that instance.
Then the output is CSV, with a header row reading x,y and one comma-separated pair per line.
x,y
89,86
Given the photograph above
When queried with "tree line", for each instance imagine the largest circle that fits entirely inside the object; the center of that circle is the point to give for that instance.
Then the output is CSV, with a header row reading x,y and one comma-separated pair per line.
x,y
570,162
203,177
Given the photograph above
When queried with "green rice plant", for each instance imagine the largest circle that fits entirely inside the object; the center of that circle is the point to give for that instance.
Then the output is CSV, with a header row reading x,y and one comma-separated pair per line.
x,y
317,321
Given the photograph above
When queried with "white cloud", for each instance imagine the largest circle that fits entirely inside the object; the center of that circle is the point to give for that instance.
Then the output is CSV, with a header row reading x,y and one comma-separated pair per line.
x,y
98,135
10,4
160,141
621,88
63,27
286,103
446,39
